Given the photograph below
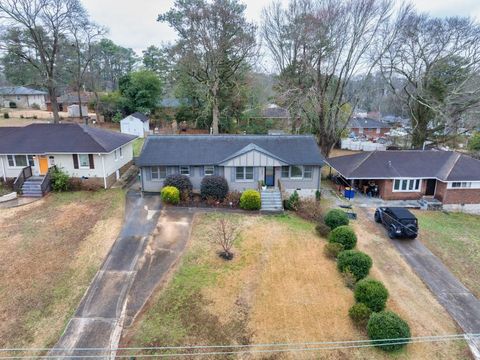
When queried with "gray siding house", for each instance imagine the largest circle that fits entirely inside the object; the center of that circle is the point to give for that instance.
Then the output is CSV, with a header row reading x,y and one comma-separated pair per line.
x,y
286,162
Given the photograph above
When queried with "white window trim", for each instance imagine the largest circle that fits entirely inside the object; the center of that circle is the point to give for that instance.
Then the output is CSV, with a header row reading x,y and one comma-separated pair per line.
x,y
407,190
472,185
296,177
184,166
160,178
15,166
205,170
80,166
244,179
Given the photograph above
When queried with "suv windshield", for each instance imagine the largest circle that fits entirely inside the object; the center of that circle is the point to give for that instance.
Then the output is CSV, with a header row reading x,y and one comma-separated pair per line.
x,y
408,221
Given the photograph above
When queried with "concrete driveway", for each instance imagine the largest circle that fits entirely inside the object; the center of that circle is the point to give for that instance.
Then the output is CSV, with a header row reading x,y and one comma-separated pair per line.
x,y
149,244
460,303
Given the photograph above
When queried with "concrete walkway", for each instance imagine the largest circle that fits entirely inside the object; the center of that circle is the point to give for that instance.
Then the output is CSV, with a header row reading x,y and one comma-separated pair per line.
x,y
150,242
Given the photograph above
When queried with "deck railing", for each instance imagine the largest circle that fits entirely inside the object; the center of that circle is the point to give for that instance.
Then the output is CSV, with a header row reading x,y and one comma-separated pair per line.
x,y
47,180
24,175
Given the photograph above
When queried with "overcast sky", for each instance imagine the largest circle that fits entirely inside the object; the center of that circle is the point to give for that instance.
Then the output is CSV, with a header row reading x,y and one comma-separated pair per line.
x,y
132,23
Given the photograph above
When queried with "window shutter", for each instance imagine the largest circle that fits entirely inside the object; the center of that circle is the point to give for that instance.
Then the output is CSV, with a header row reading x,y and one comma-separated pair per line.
x,y
202,170
90,160
232,173
75,161
255,173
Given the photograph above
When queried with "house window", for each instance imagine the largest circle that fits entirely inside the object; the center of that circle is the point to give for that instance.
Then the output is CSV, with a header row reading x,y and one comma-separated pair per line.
x,y
185,170
461,185
244,173
285,172
297,172
158,173
208,170
307,172
406,185
83,160
20,160
121,152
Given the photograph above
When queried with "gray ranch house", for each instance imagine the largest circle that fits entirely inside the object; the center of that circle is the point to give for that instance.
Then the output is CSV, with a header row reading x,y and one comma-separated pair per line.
x,y
282,162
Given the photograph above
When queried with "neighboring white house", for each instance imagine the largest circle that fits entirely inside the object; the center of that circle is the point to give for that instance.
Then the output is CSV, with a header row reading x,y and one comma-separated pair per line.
x,y
24,98
135,124
91,154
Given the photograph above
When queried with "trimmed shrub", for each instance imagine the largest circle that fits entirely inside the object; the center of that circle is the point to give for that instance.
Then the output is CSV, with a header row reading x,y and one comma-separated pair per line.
x,y
250,200
60,180
349,279
388,325
344,235
357,262
170,195
322,230
293,202
336,218
215,187
360,313
181,182
6,115
372,293
331,250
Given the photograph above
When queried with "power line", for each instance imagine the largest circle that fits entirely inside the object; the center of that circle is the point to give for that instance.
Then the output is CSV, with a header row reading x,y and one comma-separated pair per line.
x,y
335,345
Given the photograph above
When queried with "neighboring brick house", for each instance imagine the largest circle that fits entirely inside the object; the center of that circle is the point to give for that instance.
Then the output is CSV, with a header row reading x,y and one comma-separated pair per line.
x,y
370,128
94,155
450,177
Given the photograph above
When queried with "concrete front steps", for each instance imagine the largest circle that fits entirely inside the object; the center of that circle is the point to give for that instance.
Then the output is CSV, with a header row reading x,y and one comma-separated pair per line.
x,y
271,201
32,187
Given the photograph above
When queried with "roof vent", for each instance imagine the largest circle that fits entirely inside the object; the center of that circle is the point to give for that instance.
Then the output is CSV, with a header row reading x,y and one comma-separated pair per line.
x,y
389,163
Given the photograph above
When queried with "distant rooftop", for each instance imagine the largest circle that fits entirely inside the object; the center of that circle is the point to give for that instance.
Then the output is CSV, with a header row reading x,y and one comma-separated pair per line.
x,y
368,123
20,90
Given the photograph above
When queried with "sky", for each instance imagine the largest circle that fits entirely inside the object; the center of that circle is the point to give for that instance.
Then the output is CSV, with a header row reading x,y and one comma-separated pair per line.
x,y
132,23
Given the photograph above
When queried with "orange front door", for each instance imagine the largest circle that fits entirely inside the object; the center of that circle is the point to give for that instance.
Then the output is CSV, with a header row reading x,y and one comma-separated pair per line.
x,y
43,162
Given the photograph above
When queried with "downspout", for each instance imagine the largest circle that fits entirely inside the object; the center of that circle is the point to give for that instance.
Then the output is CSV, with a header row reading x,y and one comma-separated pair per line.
x,y
104,175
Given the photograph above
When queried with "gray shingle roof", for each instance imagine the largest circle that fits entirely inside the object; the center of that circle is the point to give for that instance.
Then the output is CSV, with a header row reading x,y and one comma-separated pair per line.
x,y
214,149
367,123
140,116
20,90
60,138
443,165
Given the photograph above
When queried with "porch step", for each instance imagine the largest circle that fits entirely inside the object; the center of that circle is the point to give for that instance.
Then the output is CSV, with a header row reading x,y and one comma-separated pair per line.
x,y
271,201
32,187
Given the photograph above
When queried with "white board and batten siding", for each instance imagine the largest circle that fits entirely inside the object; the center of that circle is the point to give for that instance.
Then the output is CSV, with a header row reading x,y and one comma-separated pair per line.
x,y
253,158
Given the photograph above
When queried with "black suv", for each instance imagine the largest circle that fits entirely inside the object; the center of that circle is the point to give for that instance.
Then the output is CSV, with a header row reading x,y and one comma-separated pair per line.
x,y
399,222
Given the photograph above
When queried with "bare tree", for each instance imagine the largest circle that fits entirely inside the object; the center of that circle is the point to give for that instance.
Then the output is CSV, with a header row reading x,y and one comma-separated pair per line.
x,y
224,233
44,25
433,67
318,47
85,36
215,44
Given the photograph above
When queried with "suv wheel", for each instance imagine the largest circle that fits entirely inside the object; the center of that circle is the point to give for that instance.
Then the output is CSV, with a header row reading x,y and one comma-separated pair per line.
x,y
377,217
391,233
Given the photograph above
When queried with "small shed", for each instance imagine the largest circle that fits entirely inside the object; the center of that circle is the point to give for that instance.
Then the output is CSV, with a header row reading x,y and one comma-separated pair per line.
x,y
74,110
135,124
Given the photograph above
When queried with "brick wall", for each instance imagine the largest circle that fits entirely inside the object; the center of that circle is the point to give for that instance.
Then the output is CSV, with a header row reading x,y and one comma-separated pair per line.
x,y
462,196
387,193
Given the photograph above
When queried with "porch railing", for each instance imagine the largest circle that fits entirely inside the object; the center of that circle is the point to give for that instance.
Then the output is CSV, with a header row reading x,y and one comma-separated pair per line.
x,y
45,186
24,175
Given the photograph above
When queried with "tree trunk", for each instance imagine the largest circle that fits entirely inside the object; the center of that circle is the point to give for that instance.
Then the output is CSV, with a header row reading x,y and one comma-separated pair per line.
x,y
53,100
97,106
215,115
79,95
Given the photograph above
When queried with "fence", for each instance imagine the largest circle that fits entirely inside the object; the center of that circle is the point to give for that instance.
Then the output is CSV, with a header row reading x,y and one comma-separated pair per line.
x,y
349,144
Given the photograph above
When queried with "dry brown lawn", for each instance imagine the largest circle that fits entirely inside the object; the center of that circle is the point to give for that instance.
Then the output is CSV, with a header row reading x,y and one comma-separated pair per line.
x,y
50,251
280,287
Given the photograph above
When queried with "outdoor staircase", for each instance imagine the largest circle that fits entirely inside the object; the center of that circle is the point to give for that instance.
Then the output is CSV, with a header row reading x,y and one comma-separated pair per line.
x,y
271,201
32,187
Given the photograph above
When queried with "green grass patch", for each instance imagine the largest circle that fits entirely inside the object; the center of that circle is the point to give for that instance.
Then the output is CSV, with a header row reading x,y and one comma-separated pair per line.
x,y
455,238
137,146
294,222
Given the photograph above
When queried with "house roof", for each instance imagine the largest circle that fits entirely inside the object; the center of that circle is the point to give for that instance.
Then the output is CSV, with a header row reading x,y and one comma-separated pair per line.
x,y
139,116
368,123
60,138
215,149
171,102
275,111
442,165
72,97
20,90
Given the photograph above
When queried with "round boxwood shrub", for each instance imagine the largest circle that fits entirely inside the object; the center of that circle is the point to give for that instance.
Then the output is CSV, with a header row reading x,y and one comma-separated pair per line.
x,y
250,200
357,262
336,218
344,235
372,293
388,325
332,250
360,313
181,182
215,187
170,195
322,230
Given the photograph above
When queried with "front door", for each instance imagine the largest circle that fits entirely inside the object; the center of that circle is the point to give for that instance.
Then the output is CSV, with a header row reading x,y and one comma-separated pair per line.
x,y
43,164
270,176
430,190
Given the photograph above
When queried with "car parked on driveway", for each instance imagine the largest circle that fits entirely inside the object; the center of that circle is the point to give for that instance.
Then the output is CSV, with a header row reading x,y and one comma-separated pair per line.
x,y
399,222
